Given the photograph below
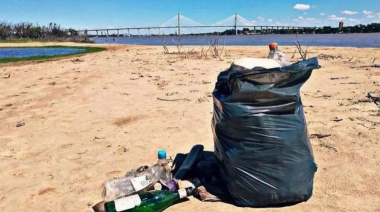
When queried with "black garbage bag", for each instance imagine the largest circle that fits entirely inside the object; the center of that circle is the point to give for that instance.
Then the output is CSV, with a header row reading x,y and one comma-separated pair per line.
x,y
261,140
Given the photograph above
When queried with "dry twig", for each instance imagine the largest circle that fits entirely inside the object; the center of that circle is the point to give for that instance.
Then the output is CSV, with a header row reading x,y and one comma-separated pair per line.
x,y
178,44
299,48
171,100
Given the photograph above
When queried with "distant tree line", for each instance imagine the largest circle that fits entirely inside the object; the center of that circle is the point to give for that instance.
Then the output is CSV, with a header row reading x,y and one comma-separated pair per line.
x,y
33,31
369,28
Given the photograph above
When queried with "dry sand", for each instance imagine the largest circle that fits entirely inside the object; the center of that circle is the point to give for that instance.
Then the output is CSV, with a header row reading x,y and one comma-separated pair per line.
x,y
69,124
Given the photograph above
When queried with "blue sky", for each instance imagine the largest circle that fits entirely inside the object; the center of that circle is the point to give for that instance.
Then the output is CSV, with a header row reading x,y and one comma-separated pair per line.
x,y
91,14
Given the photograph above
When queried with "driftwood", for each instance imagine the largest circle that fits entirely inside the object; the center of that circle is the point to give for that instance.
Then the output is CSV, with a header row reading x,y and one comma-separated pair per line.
x,y
316,135
375,99
369,66
336,78
172,100
327,57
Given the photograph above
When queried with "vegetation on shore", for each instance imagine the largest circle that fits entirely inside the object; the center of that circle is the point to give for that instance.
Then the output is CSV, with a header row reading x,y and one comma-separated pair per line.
x,y
25,31
86,49
369,28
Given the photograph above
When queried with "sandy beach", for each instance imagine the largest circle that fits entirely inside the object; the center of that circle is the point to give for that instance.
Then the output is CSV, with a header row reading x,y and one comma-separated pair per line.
x,y
67,125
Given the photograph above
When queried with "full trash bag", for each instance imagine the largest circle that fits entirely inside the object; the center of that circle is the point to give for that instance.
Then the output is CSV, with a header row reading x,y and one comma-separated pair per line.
x,y
261,140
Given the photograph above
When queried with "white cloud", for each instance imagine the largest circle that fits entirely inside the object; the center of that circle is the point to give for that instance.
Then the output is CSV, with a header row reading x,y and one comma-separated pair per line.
x,y
301,7
367,12
305,13
353,20
322,14
335,18
370,16
300,17
310,19
270,20
347,12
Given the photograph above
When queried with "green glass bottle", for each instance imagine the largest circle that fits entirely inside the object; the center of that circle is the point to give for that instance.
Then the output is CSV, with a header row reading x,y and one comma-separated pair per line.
x,y
152,201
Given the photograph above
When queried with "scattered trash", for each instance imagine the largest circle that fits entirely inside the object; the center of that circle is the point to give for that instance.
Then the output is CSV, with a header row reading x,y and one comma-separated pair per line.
x,y
188,163
141,179
248,167
205,196
277,55
149,201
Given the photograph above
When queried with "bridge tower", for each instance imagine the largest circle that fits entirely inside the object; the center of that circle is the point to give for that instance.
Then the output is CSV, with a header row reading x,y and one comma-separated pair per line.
x,y
179,25
235,24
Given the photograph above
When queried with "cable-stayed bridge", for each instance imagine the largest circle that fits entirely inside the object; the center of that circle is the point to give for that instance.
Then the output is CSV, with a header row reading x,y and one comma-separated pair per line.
x,y
180,25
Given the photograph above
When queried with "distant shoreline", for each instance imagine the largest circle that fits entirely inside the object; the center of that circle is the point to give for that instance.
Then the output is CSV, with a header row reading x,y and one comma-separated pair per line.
x,y
360,40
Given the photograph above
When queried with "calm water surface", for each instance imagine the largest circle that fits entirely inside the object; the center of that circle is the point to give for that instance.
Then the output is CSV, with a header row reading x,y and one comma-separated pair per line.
x,y
30,52
361,40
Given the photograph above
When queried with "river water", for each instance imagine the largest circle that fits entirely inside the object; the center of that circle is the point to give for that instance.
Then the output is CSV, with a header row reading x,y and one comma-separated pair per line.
x,y
30,52
361,40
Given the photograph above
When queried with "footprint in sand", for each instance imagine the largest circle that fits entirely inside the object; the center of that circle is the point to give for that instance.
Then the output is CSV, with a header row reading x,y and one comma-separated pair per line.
x,y
46,191
127,120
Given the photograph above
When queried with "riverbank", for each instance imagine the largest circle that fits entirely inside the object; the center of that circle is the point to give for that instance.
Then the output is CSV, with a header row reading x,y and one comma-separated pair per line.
x,y
69,124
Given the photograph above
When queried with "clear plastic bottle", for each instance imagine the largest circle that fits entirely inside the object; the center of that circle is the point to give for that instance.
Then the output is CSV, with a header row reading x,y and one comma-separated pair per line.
x,y
277,55
139,180
124,186
165,169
